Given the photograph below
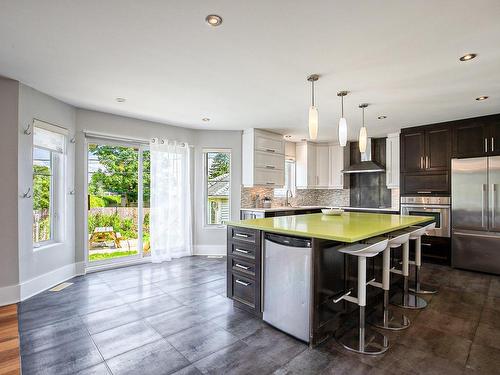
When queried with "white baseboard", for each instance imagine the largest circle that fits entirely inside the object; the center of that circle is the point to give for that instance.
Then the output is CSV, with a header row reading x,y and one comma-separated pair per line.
x,y
9,295
210,250
20,292
40,283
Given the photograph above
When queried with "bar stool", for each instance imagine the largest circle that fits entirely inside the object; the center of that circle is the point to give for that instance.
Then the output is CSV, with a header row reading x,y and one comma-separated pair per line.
x,y
407,300
387,318
362,340
417,287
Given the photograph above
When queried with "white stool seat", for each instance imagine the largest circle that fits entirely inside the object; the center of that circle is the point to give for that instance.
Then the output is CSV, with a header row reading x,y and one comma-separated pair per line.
x,y
398,238
430,227
416,232
367,250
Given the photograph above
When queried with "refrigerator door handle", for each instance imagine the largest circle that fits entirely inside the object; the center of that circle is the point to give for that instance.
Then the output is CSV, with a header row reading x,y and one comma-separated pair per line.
x,y
493,205
483,197
486,145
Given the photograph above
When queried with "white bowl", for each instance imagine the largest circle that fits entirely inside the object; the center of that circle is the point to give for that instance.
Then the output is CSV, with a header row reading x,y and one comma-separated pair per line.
x,y
332,211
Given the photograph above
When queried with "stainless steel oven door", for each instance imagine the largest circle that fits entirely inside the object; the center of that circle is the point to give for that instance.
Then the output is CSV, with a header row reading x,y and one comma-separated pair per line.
x,y
440,213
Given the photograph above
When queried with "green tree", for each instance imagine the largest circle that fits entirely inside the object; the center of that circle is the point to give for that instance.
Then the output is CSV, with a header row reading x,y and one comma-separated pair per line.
x,y
219,166
41,187
120,172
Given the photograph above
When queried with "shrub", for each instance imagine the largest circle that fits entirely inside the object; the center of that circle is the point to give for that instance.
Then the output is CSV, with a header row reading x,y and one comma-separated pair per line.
x,y
126,227
97,201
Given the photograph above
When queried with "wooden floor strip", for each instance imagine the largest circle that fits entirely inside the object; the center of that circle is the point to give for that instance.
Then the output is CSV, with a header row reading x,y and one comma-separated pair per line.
x,y
10,363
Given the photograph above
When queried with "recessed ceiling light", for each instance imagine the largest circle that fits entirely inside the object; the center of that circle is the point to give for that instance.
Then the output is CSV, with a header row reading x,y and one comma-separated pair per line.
x,y
468,57
213,20
120,100
382,117
482,98
205,119
288,136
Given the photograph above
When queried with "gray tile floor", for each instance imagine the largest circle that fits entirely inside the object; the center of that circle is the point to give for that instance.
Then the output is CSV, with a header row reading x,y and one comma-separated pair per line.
x,y
175,318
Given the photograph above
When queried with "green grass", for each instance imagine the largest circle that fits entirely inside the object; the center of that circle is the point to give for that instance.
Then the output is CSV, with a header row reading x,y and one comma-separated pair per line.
x,y
115,254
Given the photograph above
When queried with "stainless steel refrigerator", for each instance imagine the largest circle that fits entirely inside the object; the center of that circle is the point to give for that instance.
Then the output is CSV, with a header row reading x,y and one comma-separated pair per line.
x,y
475,219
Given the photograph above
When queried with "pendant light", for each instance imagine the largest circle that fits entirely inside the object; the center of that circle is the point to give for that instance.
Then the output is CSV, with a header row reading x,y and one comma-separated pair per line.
x,y
363,136
342,121
313,111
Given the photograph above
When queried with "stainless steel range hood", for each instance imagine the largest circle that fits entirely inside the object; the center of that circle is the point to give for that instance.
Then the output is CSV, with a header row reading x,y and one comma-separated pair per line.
x,y
367,165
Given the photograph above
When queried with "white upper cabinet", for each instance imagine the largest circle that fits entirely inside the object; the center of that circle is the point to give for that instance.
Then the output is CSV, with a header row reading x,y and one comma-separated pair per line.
x,y
289,150
338,160
392,160
305,154
263,158
320,165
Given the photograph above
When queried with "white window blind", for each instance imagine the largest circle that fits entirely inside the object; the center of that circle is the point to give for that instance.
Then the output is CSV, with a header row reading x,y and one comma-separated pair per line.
x,y
49,137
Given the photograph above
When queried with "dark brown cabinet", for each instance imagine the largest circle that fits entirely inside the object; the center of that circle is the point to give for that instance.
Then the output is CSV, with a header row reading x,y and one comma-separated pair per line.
x,y
476,137
425,149
425,160
244,268
413,147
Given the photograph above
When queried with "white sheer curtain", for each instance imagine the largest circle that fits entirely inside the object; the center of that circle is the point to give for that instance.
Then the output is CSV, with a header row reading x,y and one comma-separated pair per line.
x,y
170,225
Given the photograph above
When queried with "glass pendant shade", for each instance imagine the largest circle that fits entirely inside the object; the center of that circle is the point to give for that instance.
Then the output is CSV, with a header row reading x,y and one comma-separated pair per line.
x,y
362,139
343,132
313,122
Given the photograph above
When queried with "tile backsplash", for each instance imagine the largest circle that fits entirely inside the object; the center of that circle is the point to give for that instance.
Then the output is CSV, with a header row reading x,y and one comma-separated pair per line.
x,y
252,197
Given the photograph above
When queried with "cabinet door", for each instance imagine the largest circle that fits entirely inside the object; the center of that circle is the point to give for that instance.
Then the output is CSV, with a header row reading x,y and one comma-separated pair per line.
x,y
312,176
412,151
494,138
274,145
437,149
470,139
425,183
392,162
336,155
322,166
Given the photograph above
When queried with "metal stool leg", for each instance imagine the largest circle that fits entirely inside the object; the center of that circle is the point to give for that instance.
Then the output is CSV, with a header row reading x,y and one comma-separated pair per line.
x,y
363,339
388,319
407,300
418,288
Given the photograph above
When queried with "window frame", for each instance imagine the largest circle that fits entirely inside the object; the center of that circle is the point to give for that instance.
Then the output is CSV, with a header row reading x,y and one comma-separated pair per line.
x,y
57,201
205,152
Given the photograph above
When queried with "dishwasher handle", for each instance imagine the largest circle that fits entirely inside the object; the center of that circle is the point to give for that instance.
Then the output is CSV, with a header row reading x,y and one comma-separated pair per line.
x,y
288,241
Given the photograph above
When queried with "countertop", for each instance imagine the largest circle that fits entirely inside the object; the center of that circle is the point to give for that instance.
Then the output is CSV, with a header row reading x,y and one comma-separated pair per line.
x,y
348,227
284,208
289,208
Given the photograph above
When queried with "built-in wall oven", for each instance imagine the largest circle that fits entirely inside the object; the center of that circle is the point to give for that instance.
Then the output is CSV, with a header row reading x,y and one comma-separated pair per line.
x,y
436,207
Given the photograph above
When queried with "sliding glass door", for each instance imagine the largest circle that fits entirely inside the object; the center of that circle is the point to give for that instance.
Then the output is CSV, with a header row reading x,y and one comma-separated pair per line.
x,y
117,202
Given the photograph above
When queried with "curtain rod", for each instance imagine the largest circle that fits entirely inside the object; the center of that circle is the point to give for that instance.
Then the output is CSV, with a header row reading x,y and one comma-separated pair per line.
x,y
111,137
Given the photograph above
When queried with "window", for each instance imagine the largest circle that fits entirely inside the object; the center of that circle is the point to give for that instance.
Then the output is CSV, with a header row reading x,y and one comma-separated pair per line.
x,y
218,186
48,151
289,180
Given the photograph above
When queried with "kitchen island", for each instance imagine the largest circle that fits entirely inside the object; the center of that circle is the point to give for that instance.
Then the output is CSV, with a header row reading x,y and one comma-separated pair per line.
x,y
316,281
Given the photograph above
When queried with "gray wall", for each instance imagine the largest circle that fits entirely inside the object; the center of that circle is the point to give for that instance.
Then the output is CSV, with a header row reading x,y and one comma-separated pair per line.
x,y
37,262
9,272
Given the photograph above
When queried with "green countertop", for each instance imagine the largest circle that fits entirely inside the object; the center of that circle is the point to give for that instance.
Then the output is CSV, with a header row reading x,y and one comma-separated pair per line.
x,y
349,227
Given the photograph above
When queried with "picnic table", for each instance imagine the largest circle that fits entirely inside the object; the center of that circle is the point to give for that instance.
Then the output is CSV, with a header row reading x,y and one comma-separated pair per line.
x,y
103,234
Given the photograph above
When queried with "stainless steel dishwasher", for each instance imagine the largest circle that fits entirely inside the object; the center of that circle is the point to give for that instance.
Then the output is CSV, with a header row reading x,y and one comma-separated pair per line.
x,y
287,284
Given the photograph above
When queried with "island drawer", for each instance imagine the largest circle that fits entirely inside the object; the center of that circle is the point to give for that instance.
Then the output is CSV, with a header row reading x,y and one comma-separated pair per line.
x,y
243,290
245,267
242,250
243,234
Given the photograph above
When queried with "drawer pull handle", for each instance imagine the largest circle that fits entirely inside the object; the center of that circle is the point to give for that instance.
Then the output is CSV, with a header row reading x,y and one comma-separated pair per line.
x,y
270,150
426,244
241,235
424,192
270,166
242,283
241,266
241,251
269,183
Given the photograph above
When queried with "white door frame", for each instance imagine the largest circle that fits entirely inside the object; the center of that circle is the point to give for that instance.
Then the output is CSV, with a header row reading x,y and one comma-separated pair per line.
x,y
126,260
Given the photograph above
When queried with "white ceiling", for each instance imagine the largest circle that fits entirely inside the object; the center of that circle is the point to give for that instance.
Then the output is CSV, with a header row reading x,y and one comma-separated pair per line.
x,y
399,56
